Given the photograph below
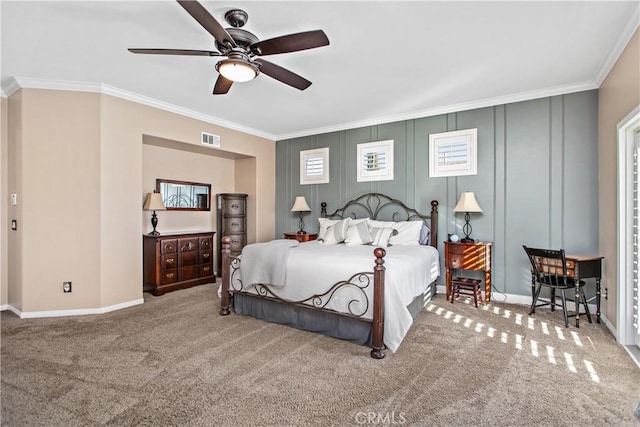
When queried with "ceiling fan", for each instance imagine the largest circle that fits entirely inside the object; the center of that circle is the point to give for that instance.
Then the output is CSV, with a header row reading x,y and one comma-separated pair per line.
x,y
244,50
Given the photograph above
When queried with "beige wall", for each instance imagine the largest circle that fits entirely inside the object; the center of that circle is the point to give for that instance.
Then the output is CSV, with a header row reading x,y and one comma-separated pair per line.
x,y
168,163
619,94
4,207
79,166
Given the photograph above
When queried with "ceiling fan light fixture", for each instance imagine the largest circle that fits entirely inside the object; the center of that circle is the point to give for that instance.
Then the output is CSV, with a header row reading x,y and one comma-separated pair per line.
x,y
237,70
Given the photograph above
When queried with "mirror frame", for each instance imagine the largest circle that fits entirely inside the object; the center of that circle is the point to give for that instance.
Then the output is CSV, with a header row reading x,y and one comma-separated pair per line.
x,y
160,181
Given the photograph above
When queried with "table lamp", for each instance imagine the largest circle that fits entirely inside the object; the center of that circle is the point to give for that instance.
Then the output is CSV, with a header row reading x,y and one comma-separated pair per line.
x,y
467,204
154,203
300,205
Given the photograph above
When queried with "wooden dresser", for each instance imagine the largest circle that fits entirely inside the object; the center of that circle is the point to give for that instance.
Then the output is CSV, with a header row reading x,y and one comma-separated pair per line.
x,y
231,221
176,261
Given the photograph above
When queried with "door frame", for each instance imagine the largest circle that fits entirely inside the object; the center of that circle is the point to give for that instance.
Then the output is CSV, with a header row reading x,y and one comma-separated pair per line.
x,y
627,336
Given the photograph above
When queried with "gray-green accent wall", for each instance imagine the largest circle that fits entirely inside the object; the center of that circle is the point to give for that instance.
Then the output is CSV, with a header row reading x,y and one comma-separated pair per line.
x,y
537,180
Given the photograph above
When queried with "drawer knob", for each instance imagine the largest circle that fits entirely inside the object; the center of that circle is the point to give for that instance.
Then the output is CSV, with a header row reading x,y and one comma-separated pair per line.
x,y
206,255
206,269
235,206
170,261
170,275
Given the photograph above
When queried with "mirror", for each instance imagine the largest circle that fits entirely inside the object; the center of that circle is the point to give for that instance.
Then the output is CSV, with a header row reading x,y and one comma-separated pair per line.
x,y
184,195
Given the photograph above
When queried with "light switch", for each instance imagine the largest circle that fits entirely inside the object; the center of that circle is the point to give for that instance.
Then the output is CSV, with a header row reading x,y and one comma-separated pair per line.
x,y
14,224
14,199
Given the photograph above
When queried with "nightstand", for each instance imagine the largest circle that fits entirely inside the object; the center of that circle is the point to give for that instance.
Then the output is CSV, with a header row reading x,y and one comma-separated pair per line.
x,y
468,256
300,237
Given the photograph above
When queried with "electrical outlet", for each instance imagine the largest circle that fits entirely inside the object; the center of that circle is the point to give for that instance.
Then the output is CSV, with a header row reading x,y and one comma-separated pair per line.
x,y
14,199
66,287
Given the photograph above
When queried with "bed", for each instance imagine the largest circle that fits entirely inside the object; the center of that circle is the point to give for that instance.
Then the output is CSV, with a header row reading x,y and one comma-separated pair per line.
x,y
367,293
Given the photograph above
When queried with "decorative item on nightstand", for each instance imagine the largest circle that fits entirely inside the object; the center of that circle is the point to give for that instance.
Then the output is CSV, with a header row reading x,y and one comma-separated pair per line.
x,y
301,206
467,204
154,203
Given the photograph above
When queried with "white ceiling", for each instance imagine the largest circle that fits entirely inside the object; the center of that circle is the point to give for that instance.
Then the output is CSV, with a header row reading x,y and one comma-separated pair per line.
x,y
387,60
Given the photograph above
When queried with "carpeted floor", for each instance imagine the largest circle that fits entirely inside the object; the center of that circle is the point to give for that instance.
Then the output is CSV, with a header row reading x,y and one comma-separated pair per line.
x,y
174,361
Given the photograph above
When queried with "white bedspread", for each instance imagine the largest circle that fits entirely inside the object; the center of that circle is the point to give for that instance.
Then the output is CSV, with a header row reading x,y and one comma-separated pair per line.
x,y
313,268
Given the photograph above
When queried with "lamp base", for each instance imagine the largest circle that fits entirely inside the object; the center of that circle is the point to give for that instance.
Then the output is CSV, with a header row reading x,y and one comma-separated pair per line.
x,y
467,240
154,233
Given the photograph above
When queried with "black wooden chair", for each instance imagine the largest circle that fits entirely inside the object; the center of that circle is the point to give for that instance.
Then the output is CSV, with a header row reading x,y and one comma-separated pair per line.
x,y
549,269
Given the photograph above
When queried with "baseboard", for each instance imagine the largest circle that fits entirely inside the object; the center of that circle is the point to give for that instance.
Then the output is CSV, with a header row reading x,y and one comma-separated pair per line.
x,y
74,312
4,307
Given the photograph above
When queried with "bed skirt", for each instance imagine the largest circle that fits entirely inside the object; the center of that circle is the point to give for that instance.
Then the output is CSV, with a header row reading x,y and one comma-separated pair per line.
x,y
326,323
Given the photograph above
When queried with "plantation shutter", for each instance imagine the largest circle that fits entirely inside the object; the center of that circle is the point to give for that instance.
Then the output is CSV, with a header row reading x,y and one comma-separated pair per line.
x,y
374,161
314,166
452,154
636,206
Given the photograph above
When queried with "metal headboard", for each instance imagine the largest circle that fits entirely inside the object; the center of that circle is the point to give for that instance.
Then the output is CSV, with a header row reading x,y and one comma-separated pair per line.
x,y
379,206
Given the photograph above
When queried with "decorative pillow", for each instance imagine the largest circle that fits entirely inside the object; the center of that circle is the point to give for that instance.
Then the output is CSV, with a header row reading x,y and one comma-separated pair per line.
x,y
358,234
408,233
425,234
373,223
337,233
380,236
325,223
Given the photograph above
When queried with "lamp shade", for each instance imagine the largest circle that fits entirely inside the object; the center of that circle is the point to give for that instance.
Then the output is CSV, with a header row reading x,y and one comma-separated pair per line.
x,y
467,203
300,205
153,202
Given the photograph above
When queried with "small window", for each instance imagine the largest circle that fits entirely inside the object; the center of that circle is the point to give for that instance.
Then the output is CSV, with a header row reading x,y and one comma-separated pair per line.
x,y
453,153
375,161
314,166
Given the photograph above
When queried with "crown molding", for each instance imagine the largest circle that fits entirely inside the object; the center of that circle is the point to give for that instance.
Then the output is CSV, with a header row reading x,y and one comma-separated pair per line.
x,y
17,83
623,41
489,102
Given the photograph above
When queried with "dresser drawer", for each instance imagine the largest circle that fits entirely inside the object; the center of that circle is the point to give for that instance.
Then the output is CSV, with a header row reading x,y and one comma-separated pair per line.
x,y
168,246
169,276
169,262
205,242
187,258
237,243
464,249
233,225
233,206
206,270
206,257
188,273
471,261
187,245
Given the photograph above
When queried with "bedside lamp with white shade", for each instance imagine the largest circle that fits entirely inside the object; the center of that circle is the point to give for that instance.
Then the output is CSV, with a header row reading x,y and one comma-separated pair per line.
x,y
467,204
154,203
300,205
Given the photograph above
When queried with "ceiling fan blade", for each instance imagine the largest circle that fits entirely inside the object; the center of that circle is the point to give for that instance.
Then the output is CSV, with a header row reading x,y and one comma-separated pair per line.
x,y
290,43
209,23
222,86
282,74
176,52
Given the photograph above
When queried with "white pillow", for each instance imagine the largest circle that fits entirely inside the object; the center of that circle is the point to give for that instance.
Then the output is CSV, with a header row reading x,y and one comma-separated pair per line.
x,y
325,223
337,233
358,234
408,233
380,224
380,236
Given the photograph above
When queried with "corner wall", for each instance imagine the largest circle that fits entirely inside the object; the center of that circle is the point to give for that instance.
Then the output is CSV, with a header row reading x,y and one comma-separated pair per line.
x,y
77,160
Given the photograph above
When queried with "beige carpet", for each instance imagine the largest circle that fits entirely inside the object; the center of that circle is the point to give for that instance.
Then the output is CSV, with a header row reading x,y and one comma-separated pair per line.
x,y
174,361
